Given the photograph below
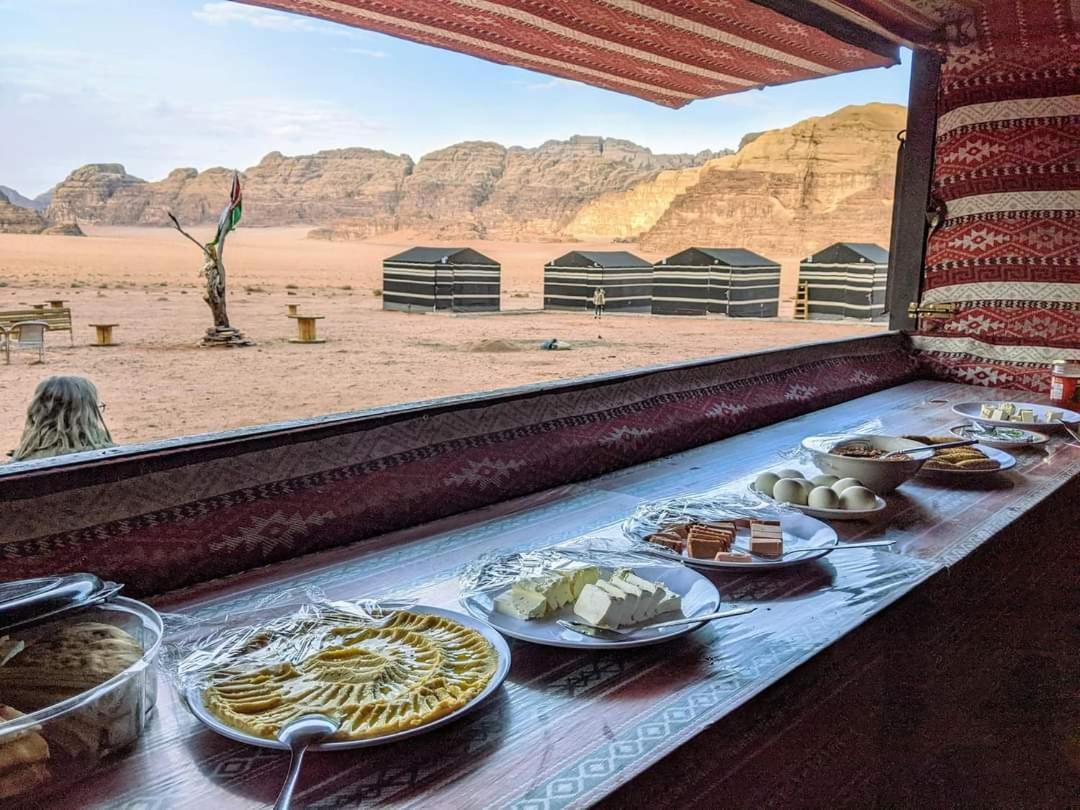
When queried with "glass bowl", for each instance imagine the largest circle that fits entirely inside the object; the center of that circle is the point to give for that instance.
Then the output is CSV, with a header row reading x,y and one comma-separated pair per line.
x,y
84,729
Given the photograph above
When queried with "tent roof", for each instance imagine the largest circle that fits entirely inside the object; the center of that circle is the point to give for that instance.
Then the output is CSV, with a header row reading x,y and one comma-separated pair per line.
x,y
869,251
430,255
667,51
735,257
611,258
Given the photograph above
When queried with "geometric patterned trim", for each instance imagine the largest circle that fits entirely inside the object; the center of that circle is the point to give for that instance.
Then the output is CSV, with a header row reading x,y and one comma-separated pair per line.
x,y
967,291
1006,110
1015,201
974,347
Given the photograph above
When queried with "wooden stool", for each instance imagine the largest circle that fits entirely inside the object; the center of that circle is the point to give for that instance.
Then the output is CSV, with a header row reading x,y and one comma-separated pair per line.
x,y
104,333
305,327
56,303
292,309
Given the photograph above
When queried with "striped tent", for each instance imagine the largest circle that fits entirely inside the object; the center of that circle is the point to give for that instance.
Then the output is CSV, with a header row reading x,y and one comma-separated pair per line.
x,y
424,279
846,280
569,281
726,281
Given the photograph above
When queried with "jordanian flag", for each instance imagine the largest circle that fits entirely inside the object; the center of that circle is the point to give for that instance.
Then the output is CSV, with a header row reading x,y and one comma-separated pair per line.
x,y
230,217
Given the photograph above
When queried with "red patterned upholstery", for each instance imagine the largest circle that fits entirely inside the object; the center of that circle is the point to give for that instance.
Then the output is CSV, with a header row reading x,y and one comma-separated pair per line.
x,y
162,519
1008,168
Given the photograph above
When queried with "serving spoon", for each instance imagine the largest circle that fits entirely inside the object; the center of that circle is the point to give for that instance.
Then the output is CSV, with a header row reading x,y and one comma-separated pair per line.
x,y
609,632
298,735
909,450
803,549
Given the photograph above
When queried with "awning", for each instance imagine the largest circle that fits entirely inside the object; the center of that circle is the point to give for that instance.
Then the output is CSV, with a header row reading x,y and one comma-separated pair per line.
x,y
667,51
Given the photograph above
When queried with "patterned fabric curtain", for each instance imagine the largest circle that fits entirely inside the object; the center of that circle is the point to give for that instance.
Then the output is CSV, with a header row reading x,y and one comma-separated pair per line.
x,y
1007,169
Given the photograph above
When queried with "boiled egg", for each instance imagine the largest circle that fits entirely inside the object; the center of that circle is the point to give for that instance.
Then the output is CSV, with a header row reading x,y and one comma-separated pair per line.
x,y
857,497
790,490
844,483
765,482
824,480
823,498
788,473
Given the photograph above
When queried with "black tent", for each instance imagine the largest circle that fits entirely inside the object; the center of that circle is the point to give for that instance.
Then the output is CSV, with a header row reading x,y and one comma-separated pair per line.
x,y
728,281
432,278
846,280
569,281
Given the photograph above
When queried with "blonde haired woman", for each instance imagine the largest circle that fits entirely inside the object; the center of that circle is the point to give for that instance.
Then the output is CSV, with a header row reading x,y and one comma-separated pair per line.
x,y
64,417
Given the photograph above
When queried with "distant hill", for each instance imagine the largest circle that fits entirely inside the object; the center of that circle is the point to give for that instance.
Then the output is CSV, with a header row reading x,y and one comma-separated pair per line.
x,y
475,189
785,191
38,203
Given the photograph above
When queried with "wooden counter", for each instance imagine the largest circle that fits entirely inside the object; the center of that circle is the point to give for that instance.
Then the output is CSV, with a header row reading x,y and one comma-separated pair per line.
x,y
568,728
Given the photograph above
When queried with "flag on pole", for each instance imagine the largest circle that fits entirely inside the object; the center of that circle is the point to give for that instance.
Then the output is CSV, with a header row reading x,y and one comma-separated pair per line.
x,y
230,217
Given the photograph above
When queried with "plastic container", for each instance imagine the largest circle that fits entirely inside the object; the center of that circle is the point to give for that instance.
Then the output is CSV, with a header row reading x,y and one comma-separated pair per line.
x,y
1065,383
84,729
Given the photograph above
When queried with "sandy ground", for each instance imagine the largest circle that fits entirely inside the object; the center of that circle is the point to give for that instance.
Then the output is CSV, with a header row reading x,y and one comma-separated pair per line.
x,y
158,384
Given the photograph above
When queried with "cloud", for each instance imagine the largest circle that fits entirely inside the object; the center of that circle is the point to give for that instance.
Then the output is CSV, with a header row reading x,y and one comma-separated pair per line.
x,y
368,52
30,98
229,13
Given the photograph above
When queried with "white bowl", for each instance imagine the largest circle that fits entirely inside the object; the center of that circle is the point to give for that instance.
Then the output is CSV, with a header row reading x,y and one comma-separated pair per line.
x,y
880,476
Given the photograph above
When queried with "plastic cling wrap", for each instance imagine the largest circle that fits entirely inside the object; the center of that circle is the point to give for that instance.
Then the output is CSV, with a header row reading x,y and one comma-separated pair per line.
x,y
284,629
377,669
490,572
705,507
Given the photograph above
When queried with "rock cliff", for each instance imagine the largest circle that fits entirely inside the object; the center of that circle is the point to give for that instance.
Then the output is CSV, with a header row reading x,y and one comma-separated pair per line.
x,y
280,190
15,219
790,191
785,192
38,203
474,189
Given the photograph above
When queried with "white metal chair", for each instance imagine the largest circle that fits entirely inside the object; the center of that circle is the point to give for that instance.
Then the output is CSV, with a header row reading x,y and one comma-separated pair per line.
x,y
29,335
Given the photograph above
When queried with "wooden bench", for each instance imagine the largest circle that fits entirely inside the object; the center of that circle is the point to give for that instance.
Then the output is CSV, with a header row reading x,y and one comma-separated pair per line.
x,y
58,319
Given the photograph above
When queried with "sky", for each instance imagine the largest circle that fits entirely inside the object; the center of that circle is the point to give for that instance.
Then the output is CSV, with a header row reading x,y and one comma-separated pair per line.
x,y
159,84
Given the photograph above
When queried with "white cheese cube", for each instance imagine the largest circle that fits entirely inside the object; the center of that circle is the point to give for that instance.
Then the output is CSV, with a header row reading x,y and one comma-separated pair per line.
x,y
650,592
580,575
1053,416
600,607
521,604
987,411
670,603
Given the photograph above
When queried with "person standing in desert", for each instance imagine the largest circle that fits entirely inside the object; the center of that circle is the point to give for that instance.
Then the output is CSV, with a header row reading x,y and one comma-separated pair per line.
x,y
64,417
599,298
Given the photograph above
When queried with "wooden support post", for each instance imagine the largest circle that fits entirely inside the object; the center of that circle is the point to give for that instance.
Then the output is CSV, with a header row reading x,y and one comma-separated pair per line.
x,y
915,170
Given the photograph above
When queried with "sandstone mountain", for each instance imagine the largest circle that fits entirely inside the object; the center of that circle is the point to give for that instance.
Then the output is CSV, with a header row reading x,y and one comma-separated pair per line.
x,y
16,219
38,203
785,193
473,189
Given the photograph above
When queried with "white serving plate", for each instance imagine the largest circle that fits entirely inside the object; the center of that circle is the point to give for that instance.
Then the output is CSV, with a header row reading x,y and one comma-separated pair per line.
x,y
798,530
1031,438
193,696
699,596
1006,461
971,410
830,514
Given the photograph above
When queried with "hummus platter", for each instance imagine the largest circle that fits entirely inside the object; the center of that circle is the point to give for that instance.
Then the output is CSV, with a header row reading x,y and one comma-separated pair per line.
x,y
382,679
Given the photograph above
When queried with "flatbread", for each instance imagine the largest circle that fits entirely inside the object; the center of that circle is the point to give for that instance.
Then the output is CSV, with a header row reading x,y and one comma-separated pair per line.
x,y
65,660
376,678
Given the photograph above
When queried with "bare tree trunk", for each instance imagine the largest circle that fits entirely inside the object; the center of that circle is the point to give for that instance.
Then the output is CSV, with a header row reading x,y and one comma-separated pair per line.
x,y
214,273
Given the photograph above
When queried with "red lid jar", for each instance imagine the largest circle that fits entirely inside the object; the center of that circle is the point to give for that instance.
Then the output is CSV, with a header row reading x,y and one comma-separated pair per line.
x,y
1065,383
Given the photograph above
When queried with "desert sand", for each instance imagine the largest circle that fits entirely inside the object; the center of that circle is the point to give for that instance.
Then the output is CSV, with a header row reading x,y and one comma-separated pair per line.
x,y
158,384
